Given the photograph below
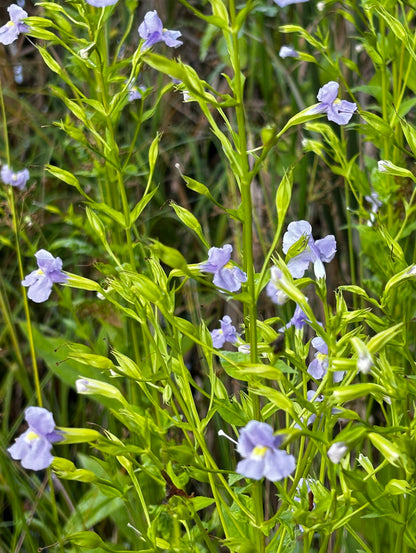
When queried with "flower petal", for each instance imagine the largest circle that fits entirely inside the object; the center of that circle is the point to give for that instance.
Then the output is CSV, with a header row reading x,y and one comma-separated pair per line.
x,y
251,468
299,264
326,247
328,93
40,420
295,231
278,465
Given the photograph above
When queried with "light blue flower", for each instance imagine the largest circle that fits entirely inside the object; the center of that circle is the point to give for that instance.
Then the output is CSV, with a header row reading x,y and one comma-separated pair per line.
x,y
226,275
41,280
19,179
298,320
284,3
288,52
273,290
11,30
262,456
227,333
101,3
135,92
338,111
322,250
33,447
152,31
317,368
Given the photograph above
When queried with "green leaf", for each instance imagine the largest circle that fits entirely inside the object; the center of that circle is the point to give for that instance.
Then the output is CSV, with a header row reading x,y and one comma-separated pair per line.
x,y
66,177
386,447
377,123
190,221
274,396
141,204
348,393
382,338
283,197
172,257
200,502
231,412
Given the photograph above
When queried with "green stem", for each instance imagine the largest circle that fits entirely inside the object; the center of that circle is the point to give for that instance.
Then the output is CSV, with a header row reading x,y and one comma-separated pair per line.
x,y
10,198
250,308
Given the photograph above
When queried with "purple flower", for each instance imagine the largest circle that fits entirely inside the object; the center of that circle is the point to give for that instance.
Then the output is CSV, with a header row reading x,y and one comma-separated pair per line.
x,y
339,111
298,320
226,333
226,275
101,3
284,3
262,457
18,180
11,30
288,52
375,203
273,289
152,31
314,252
310,395
318,366
41,280
34,446
136,92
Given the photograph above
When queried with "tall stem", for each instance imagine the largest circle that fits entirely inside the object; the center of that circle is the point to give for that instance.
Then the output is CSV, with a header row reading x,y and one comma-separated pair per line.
x,y
12,206
250,309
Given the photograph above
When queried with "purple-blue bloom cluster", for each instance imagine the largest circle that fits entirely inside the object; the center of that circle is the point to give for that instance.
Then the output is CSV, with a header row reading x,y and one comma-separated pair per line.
x,y
19,179
227,333
315,252
262,456
338,111
152,31
41,280
11,30
226,275
33,447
